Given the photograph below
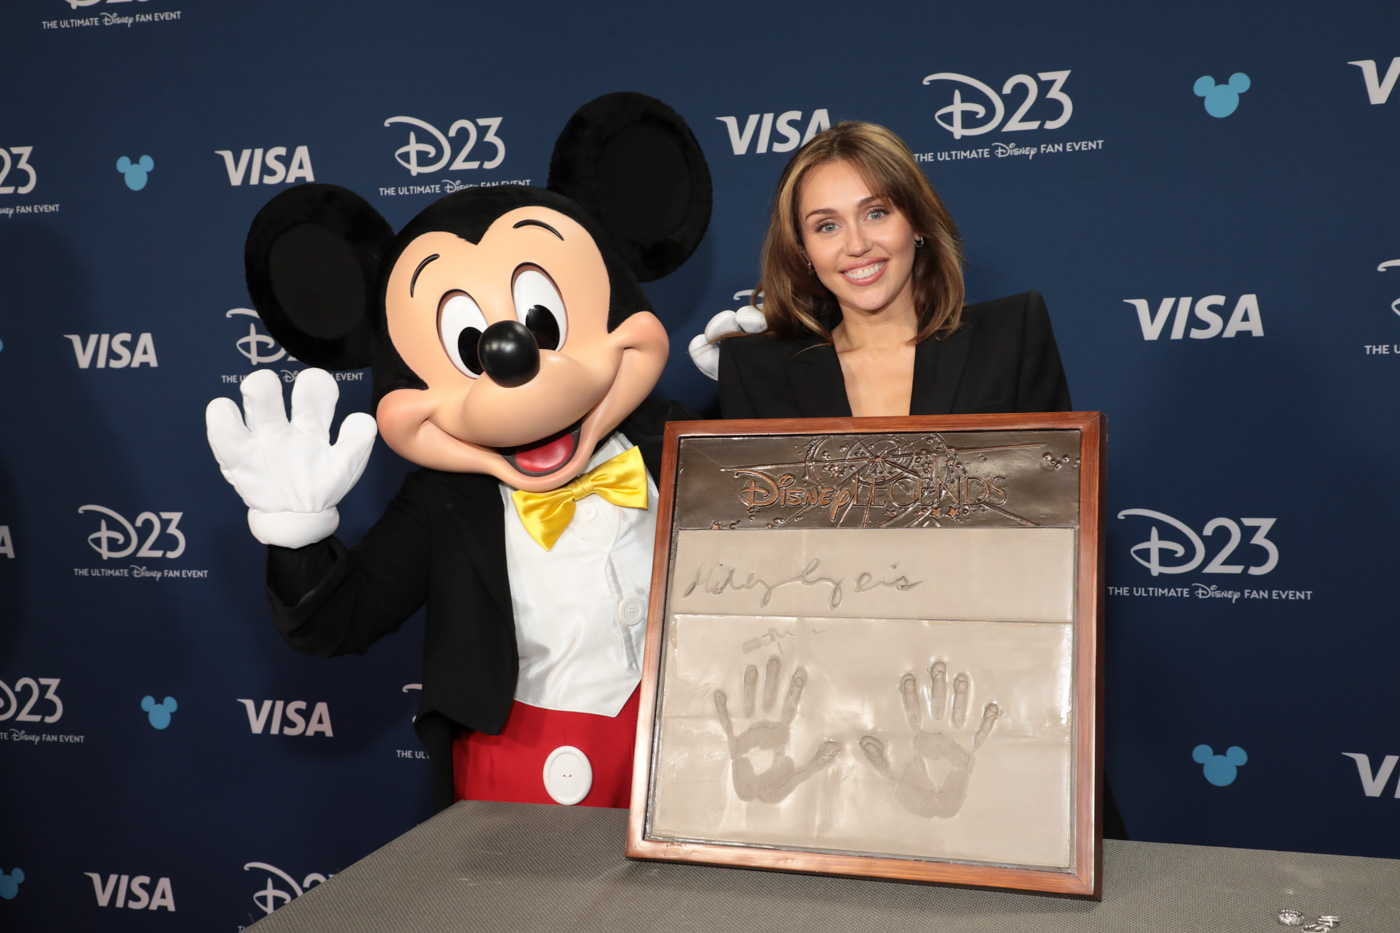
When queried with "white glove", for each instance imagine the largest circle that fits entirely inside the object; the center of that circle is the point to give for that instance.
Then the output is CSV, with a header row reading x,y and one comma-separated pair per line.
x,y
704,352
289,474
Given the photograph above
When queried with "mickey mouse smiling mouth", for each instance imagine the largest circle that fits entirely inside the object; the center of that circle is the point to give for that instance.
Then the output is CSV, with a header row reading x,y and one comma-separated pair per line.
x,y
522,377
544,457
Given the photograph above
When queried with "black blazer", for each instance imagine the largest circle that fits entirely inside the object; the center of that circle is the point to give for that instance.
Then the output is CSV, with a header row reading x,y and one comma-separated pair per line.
x,y
441,542
1002,359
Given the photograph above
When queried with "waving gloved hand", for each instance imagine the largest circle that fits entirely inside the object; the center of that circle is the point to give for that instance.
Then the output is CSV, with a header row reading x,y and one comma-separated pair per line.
x,y
289,474
704,350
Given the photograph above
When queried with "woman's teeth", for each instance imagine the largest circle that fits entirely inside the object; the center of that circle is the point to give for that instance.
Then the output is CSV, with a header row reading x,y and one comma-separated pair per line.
x,y
864,272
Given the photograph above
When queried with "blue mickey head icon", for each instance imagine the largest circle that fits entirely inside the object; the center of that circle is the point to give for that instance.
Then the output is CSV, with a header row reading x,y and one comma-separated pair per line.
x,y
135,172
1220,769
9,884
1222,99
159,713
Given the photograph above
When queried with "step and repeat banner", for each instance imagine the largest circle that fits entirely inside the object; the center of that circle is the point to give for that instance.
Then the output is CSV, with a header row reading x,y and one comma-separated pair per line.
x,y
1207,196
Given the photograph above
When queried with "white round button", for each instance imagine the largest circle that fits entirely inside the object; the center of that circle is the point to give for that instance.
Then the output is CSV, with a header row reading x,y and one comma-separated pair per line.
x,y
632,610
587,511
567,775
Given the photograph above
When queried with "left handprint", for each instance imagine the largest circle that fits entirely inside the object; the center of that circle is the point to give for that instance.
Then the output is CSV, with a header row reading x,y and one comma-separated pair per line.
x,y
288,472
782,776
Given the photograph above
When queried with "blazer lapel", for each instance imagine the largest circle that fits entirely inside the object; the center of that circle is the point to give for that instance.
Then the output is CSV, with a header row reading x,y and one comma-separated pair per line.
x,y
479,519
938,369
814,373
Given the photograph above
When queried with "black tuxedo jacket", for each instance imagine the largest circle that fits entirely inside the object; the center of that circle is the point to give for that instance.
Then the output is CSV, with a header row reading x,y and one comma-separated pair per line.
x,y
1002,359
440,542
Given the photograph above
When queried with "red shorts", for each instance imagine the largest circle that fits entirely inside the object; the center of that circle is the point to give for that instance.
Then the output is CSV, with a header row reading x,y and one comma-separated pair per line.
x,y
512,766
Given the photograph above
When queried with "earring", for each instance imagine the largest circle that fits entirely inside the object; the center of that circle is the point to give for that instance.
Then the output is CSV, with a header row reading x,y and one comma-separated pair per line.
x,y
918,242
809,266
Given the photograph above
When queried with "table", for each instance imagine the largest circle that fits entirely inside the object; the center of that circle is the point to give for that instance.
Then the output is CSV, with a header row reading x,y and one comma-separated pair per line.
x,y
496,866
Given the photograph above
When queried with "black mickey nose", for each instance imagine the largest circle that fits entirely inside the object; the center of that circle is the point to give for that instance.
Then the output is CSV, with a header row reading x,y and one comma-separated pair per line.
x,y
509,354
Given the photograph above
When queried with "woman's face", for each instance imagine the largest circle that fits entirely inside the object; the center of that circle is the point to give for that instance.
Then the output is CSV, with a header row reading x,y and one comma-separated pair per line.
x,y
860,246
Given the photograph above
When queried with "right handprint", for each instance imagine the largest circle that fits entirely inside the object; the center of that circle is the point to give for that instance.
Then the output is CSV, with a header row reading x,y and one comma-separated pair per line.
x,y
935,782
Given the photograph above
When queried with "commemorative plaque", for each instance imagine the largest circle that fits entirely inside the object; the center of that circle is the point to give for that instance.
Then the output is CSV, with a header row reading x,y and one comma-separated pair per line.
x,y
873,649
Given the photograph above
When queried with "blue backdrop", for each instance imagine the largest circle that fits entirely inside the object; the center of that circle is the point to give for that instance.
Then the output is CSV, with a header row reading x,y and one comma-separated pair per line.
x,y
1205,194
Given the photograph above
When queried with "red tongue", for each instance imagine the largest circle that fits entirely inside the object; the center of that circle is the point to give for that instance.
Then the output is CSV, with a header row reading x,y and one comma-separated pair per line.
x,y
549,454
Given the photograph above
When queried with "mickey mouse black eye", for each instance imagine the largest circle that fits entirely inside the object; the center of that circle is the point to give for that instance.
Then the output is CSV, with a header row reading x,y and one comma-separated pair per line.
x,y
539,306
460,325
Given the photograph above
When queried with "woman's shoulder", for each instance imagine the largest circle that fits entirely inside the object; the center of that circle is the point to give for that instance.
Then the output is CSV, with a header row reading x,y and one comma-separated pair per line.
x,y
1014,313
1022,305
766,346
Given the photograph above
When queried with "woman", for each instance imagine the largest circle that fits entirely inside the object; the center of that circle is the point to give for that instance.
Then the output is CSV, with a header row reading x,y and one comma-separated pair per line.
x,y
863,292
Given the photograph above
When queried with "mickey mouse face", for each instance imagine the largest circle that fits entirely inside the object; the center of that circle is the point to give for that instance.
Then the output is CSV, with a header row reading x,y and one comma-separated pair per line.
x,y
1220,770
506,327
135,172
9,884
159,713
509,335
1221,99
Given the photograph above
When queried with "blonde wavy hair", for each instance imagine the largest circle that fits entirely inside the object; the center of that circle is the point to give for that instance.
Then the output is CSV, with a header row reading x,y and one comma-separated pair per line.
x,y
794,300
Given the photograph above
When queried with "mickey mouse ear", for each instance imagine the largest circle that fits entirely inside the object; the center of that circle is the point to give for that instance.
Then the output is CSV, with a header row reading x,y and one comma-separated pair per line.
x,y
634,165
312,259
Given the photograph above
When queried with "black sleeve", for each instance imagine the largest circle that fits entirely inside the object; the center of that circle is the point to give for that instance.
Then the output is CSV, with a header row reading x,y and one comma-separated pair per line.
x,y
1042,385
734,400
330,600
646,427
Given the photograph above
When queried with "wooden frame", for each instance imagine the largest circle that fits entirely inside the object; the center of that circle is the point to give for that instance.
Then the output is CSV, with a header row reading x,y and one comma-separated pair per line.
x,y
890,577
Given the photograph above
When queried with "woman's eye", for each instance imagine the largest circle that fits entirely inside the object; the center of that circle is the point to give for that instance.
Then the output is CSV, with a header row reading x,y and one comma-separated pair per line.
x,y
826,227
460,325
878,213
539,307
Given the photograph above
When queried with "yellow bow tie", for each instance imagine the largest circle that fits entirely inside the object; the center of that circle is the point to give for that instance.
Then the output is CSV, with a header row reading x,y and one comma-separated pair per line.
x,y
621,480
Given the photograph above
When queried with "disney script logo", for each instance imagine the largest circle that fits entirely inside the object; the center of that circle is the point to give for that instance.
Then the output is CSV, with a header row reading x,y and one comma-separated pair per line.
x,y
875,481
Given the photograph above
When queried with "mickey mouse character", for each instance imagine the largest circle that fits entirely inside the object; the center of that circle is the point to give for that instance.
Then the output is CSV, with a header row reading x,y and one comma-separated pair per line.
x,y
512,353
